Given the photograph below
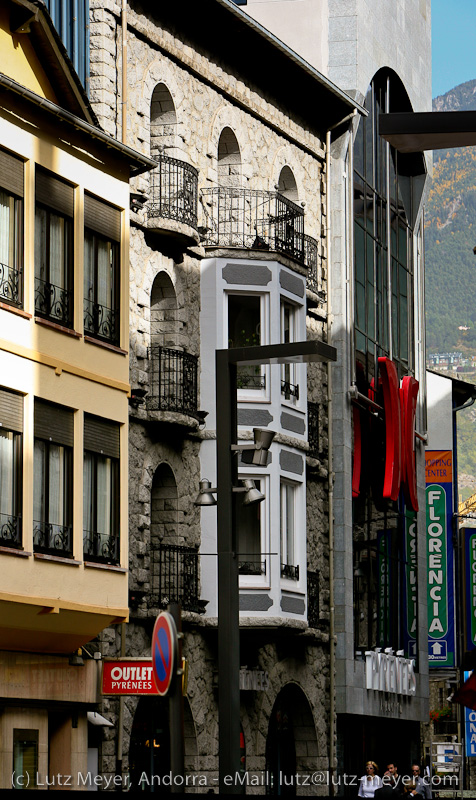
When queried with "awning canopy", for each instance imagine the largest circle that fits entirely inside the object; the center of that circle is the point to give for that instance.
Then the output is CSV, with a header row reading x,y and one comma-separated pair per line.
x,y
413,132
97,719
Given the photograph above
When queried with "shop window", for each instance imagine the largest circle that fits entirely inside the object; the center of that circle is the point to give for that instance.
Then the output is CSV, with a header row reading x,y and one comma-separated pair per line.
x,y
53,480
102,234
244,330
11,419
11,229
101,490
289,568
54,249
250,522
25,759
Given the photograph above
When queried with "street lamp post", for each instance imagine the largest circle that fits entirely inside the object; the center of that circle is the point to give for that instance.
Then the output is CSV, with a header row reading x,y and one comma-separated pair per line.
x,y
227,362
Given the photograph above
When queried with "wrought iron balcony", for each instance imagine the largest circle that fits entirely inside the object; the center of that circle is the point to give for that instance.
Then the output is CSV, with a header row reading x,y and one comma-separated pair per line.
x,y
252,567
174,381
52,539
289,390
101,322
313,429
101,547
10,530
311,261
313,599
176,575
253,219
173,191
290,571
54,303
10,285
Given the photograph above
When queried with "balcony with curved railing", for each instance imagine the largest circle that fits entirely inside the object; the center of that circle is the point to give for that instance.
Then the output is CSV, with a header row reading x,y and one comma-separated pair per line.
x,y
173,384
252,219
173,203
102,548
11,291
52,539
10,530
101,322
177,577
53,303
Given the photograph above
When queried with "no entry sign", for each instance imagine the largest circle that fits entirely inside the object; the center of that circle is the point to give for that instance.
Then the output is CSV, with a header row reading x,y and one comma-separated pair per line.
x,y
164,651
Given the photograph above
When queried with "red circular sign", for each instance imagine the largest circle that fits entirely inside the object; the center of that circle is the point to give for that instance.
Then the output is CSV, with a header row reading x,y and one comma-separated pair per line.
x,y
164,649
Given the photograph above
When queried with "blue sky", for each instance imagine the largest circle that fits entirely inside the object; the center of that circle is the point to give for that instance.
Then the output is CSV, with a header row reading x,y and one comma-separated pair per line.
x,y
453,43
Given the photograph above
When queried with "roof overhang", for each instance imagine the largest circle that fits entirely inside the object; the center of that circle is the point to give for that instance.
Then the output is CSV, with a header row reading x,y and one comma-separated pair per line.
x,y
136,162
414,132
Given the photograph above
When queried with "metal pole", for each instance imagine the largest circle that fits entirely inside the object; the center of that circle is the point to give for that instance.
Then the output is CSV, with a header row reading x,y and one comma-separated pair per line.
x,y
176,727
228,593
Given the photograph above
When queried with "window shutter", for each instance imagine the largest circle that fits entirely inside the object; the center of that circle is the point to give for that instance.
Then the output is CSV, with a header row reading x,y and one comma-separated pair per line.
x,y
54,193
11,173
102,218
101,436
11,411
54,423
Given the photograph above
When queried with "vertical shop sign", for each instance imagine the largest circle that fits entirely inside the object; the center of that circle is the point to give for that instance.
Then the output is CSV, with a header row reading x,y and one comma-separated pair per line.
x,y
469,726
470,575
439,512
410,626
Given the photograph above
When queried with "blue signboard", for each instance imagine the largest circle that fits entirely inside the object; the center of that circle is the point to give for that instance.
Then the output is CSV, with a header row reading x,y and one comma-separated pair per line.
x,y
469,727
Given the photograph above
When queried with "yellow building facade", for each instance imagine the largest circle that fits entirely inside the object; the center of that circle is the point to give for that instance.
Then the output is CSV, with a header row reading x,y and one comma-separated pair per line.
x,y
64,331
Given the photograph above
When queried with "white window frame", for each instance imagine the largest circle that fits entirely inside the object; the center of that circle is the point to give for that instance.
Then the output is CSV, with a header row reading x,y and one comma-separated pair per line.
x,y
262,581
254,395
298,525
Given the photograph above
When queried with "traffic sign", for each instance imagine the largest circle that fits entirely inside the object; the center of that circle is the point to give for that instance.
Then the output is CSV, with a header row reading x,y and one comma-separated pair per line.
x,y
164,651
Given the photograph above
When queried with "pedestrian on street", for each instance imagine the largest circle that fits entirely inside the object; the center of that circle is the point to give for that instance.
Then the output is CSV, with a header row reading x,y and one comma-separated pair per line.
x,y
370,781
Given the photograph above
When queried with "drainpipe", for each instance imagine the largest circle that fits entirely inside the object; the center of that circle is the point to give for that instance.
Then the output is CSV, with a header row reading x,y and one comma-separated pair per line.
x,y
332,699
120,721
332,657
124,72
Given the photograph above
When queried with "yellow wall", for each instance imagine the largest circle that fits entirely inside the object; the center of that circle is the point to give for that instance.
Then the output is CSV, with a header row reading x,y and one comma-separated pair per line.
x,y
19,61
38,361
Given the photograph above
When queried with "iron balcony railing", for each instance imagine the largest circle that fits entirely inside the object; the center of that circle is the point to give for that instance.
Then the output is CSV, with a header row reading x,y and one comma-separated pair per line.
x,y
176,574
101,547
173,382
173,191
253,219
313,599
101,322
289,390
290,571
53,539
252,567
311,262
313,429
10,285
53,302
10,530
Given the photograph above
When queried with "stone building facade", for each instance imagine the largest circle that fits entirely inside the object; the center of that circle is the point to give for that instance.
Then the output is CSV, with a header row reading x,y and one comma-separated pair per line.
x,y
228,245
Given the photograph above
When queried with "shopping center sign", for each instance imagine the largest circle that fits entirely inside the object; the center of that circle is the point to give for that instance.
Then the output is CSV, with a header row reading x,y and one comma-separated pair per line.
x,y
128,676
385,672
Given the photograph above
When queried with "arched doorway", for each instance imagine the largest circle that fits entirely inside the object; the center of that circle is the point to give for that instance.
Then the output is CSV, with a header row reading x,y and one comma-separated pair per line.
x,y
149,753
229,160
163,121
291,721
287,185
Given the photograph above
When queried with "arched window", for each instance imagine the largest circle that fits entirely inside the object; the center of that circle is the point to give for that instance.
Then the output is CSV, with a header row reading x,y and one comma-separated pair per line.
x,y
229,160
164,512
287,184
164,325
163,121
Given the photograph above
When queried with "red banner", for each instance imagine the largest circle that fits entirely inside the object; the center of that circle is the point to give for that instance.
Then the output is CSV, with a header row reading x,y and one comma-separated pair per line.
x,y
134,676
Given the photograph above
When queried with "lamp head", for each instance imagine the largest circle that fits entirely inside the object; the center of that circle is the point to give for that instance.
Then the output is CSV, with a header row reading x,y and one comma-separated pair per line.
x,y
205,496
252,494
